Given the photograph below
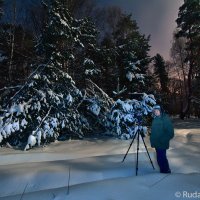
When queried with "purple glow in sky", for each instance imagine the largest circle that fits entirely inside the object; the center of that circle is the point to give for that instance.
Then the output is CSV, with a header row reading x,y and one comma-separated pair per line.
x,y
154,17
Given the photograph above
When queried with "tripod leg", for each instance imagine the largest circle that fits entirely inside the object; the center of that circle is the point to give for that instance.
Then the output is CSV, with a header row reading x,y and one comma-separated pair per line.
x,y
129,148
147,152
137,153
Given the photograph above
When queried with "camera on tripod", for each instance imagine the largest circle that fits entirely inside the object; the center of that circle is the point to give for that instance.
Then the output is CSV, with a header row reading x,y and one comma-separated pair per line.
x,y
139,125
139,132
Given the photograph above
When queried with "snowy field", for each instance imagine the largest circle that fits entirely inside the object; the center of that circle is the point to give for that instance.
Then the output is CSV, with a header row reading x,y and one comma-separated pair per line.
x,y
91,169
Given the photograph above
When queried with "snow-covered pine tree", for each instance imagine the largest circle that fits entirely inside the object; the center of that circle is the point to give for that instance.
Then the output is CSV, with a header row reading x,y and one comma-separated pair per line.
x,y
87,56
88,73
107,61
46,106
60,35
132,60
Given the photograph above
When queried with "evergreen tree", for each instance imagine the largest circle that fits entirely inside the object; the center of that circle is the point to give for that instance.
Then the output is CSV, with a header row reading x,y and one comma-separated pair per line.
x,y
107,61
86,58
47,105
188,23
161,73
70,42
132,51
59,37
162,76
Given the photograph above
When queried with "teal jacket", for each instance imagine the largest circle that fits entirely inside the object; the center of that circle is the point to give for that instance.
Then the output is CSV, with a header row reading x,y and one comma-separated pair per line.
x,y
162,131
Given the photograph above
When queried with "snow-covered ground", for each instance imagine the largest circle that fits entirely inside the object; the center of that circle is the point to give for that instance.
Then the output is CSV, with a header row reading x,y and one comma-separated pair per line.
x,y
91,169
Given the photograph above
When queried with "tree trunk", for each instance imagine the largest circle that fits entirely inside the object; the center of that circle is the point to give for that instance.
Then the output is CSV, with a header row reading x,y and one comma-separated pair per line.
x,y
186,109
190,76
12,39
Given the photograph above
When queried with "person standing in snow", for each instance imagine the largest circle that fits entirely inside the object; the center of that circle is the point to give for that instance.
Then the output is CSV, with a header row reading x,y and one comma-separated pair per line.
x,y
162,132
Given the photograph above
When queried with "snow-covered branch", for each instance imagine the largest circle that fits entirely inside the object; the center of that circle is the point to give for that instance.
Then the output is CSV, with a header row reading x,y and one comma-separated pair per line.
x,y
11,87
126,117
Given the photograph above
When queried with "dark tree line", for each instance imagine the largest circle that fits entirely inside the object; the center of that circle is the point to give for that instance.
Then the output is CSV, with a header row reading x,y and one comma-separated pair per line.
x,y
177,81
110,51
188,24
184,68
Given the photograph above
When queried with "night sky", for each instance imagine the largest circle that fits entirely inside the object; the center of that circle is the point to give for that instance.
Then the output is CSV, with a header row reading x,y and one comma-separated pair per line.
x,y
154,17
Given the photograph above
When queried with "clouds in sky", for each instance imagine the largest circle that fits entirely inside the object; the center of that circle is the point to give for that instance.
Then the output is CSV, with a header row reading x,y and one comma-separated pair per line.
x,y
154,17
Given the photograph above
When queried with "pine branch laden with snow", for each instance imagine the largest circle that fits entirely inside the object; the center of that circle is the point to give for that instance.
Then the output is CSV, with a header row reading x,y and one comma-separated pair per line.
x,y
126,117
95,106
119,91
133,61
60,36
133,71
93,89
44,109
90,68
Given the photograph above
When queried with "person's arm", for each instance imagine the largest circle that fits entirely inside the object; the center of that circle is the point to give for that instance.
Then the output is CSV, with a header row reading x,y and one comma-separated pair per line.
x,y
168,127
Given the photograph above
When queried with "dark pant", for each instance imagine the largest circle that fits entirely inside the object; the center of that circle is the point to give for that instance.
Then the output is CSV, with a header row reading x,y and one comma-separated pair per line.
x,y
162,161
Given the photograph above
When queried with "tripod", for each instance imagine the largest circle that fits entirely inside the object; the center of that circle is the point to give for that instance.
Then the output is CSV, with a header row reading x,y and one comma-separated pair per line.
x,y
138,134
